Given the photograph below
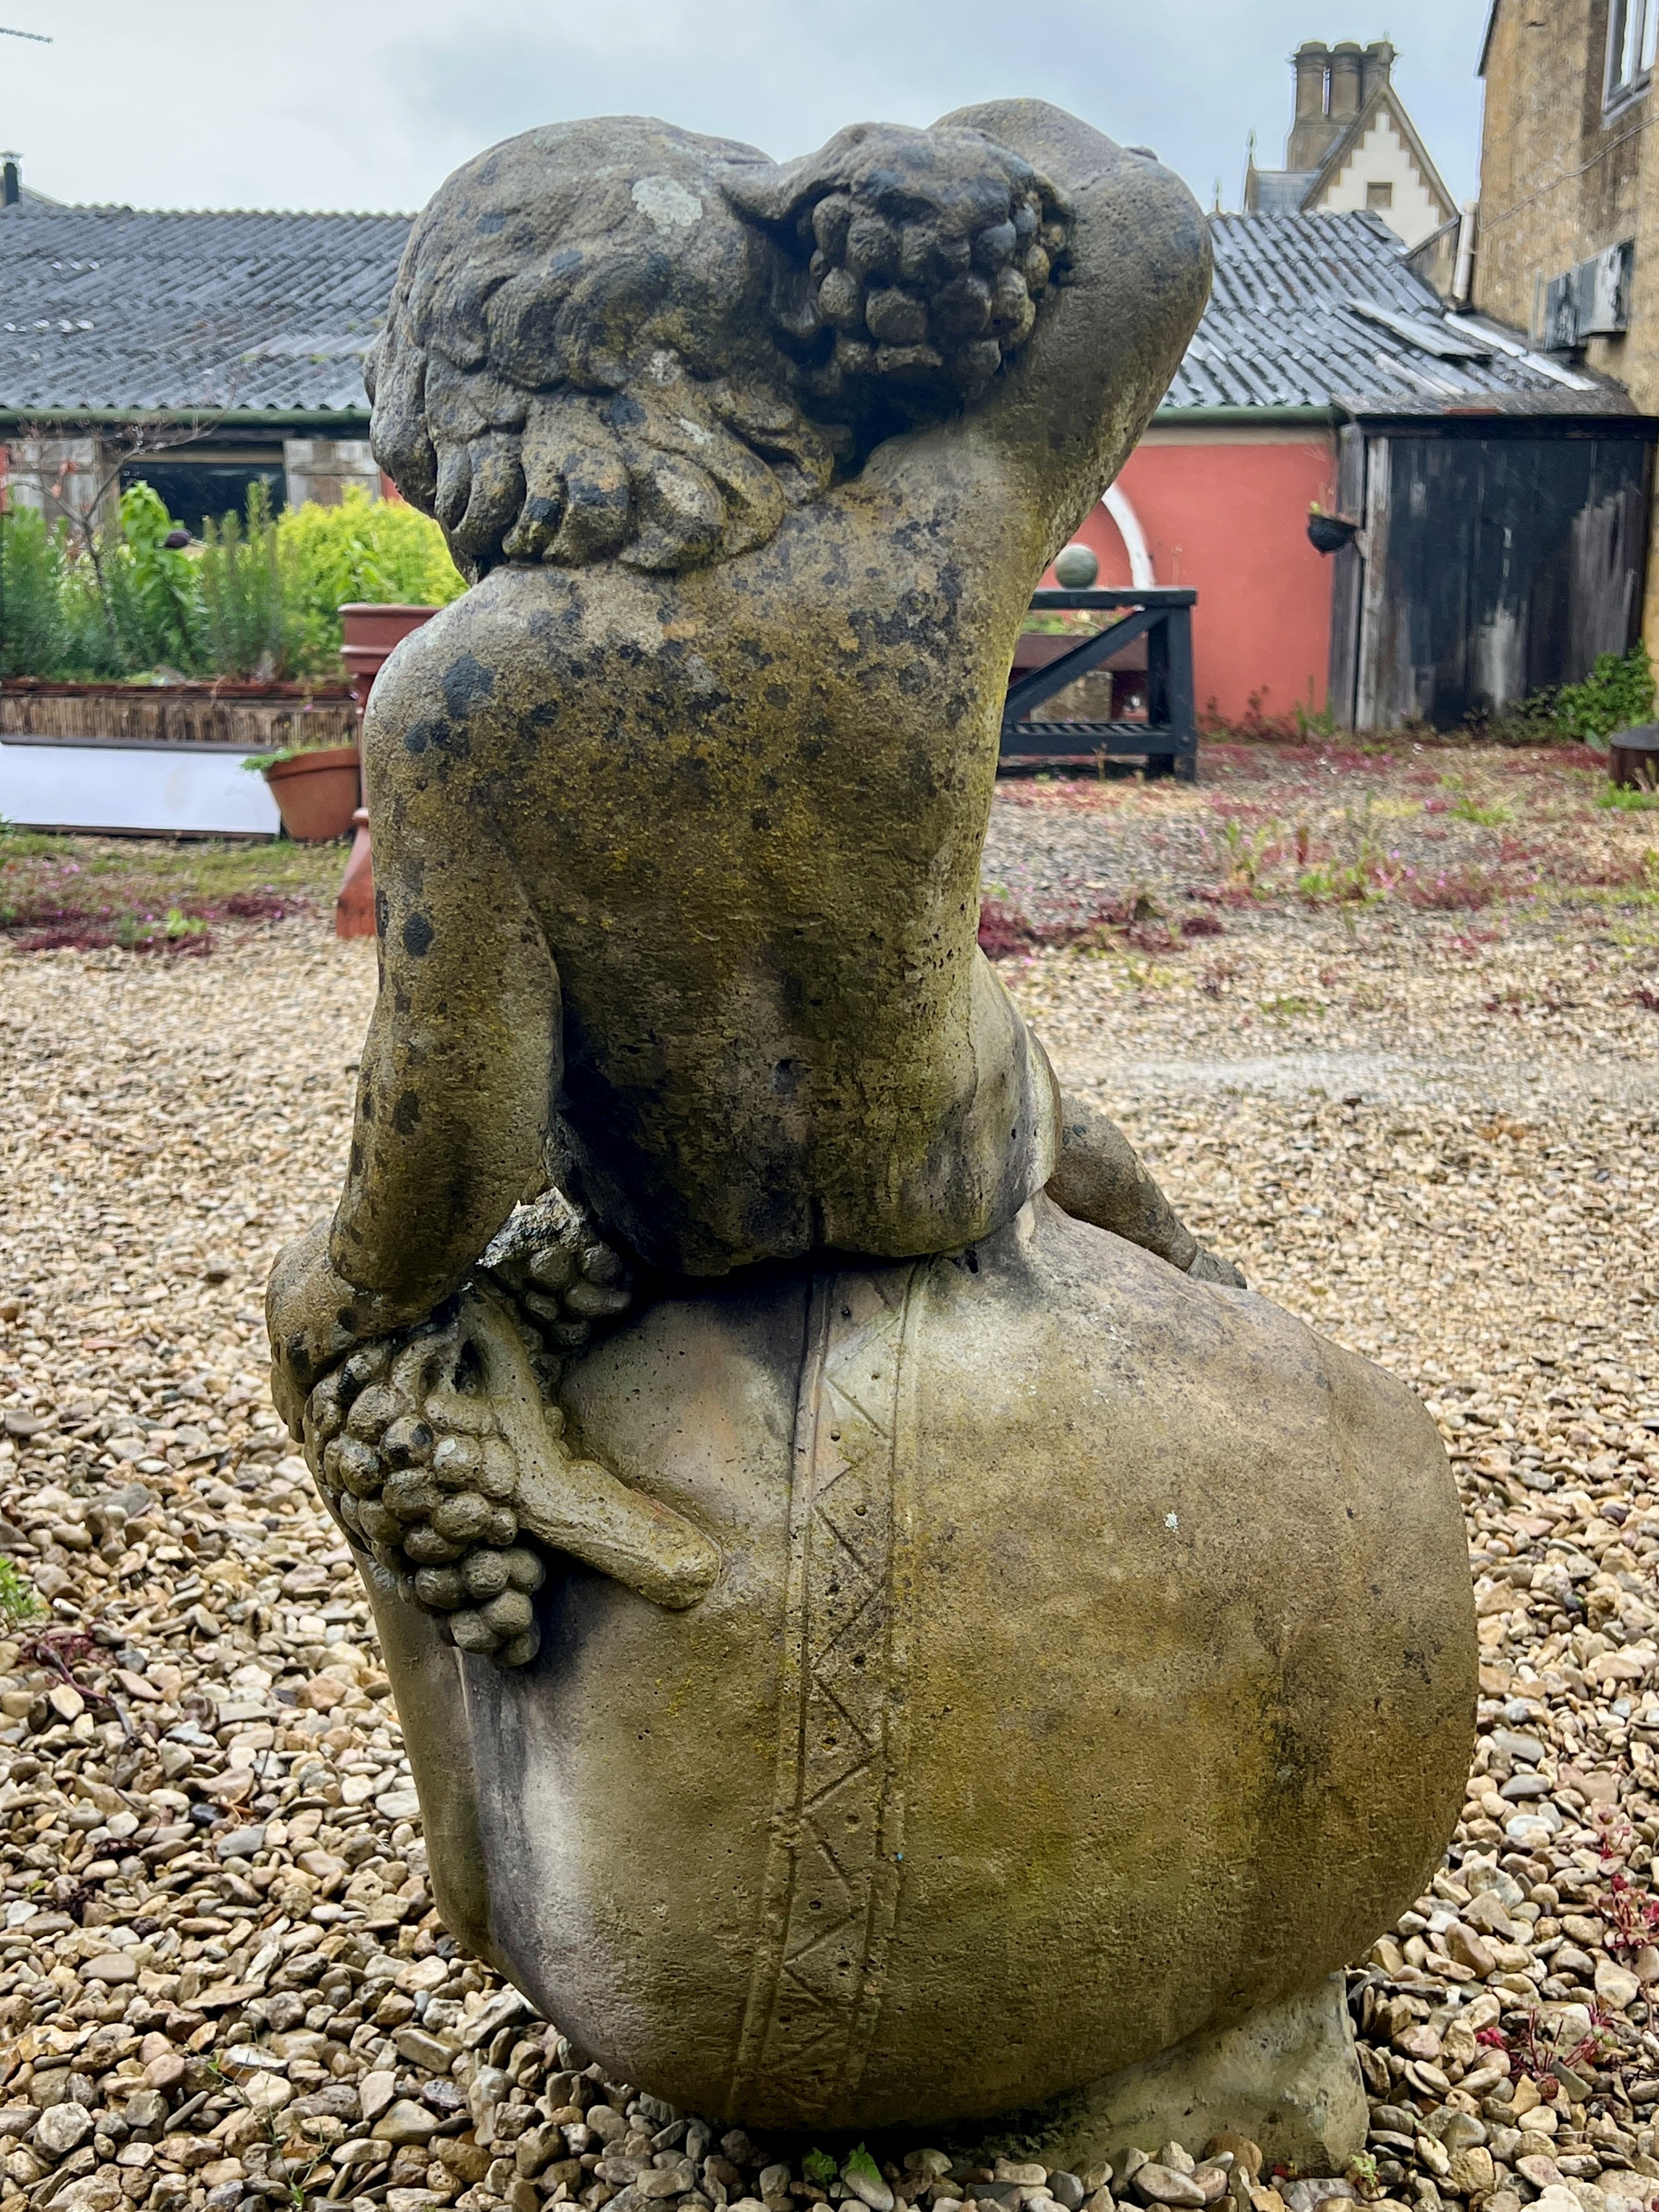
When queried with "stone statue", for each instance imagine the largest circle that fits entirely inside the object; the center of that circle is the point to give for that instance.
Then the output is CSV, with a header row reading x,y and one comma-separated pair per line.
x,y
889,1631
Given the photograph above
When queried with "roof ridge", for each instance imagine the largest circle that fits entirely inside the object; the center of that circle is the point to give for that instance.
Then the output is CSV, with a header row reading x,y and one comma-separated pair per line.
x,y
37,205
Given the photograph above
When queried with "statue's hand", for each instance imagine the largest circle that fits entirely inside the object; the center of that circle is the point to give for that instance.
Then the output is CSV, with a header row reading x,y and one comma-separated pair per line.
x,y
314,1319
440,1450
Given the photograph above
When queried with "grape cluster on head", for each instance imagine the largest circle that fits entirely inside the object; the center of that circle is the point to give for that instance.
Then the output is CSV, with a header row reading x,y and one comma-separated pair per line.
x,y
925,263
414,1459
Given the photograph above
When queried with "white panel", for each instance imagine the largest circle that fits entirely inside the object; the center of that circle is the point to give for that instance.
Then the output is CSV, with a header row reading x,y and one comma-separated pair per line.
x,y
167,788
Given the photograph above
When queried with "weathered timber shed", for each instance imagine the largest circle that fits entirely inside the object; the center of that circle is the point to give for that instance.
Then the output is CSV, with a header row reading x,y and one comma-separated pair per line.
x,y
1499,496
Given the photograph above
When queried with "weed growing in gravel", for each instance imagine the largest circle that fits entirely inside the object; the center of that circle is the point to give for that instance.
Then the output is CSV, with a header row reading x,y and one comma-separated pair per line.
x,y
17,1599
1487,814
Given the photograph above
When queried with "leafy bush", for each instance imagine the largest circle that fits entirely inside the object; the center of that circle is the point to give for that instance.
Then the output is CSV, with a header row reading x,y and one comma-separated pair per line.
x,y
363,549
1615,696
253,628
259,597
155,601
33,637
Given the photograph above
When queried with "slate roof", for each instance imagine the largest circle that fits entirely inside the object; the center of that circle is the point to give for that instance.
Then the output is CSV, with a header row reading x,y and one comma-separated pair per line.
x,y
113,308
1281,192
1286,327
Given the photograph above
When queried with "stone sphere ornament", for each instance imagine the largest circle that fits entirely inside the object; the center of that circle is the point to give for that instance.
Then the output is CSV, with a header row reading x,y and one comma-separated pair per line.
x,y
891,1634
1077,568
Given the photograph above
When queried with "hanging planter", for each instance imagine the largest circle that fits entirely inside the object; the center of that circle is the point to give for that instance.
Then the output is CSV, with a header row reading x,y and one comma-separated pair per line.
x,y
1329,533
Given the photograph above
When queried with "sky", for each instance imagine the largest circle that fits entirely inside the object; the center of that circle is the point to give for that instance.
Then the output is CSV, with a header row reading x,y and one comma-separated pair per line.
x,y
368,104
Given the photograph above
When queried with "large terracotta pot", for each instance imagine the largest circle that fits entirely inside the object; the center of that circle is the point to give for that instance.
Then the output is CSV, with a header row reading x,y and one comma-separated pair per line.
x,y
371,631
1090,1663
316,794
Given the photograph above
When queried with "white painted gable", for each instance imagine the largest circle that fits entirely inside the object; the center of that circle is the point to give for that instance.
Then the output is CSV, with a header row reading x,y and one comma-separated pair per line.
x,y
1381,156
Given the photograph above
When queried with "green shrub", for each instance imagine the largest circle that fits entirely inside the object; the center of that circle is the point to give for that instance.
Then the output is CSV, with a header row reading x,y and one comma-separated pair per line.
x,y
363,549
252,627
259,597
154,594
1616,694
33,636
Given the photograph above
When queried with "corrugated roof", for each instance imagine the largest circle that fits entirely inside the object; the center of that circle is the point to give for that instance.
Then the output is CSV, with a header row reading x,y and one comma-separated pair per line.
x,y
1283,330
115,308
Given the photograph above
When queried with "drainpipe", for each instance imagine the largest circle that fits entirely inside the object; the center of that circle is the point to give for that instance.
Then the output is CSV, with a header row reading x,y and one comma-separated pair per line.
x,y
1463,275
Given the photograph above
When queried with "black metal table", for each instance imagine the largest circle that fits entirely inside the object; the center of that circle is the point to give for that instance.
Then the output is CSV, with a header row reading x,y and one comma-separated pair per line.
x,y
1168,738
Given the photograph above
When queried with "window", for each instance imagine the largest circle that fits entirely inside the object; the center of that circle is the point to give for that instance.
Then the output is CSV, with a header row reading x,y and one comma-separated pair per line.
x,y
1633,34
1379,197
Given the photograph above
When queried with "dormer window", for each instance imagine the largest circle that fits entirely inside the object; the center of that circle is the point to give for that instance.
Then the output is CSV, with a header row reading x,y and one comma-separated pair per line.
x,y
1632,35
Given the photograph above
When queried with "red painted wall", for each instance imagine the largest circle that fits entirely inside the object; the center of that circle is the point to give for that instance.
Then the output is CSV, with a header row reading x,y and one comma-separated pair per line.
x,y
1231,519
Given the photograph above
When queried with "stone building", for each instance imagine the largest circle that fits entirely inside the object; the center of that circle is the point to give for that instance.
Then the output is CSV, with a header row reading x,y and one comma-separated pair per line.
x,y
1353,146
199,352
1568,244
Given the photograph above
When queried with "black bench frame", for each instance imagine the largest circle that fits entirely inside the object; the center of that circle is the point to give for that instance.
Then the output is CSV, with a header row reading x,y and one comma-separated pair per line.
x,y
1168,738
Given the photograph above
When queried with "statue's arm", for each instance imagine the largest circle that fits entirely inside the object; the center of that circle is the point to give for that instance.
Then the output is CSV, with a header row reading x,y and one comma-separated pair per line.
x,y
461,1064
459,1069
1066,412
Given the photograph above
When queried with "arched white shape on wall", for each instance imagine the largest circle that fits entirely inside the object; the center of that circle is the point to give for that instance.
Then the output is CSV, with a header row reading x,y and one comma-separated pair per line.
x,y
1116,504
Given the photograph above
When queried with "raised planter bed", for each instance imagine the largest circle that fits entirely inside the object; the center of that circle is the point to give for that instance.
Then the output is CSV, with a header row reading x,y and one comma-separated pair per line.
x,y
260,717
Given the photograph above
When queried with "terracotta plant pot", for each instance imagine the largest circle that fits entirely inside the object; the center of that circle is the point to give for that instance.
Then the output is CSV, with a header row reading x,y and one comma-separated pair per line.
x,y
316,794
371,631
353,909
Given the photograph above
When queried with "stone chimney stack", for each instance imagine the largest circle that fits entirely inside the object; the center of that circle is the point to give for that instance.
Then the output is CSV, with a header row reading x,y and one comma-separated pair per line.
x,y
1346,63
1311,136
1311,61
1376,67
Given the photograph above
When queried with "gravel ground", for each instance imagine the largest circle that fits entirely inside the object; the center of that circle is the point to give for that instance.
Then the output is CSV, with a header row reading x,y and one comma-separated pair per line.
x,y
1423,1119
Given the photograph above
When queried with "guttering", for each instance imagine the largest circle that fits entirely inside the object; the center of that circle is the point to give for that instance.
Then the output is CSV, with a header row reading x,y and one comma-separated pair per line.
x,y
207,419
1229,417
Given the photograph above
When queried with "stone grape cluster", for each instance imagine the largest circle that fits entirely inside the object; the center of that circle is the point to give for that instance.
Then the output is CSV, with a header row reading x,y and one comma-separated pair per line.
x,y
415,1464
933,294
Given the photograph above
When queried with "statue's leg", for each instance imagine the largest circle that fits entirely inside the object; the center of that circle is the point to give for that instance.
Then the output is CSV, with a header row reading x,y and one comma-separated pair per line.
x,y
1099,1177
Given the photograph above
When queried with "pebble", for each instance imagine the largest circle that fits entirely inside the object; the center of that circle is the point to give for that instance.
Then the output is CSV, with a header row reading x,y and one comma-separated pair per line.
x,y
405,2122
1161,2185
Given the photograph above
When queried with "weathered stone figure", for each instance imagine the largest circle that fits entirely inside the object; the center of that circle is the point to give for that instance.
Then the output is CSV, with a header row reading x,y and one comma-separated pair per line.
x,y
973,1661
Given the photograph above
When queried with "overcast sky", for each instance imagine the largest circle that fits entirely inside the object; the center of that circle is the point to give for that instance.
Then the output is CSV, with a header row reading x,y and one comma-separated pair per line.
x,y
369,103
